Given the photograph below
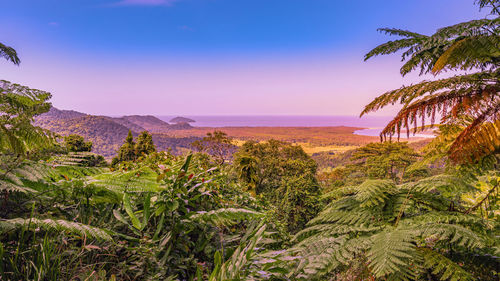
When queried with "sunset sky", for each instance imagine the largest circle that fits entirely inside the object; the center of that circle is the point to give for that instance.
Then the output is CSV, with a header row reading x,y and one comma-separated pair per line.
x,y
213,57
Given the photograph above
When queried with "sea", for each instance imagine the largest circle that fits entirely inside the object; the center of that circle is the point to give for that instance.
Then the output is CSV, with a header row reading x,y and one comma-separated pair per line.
x,y
372,125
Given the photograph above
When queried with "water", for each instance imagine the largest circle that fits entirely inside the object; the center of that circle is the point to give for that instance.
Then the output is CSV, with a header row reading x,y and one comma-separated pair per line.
x,y
372,125
285,121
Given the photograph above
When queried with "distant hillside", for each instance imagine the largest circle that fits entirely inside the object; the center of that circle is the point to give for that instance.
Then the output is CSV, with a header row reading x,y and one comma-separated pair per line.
x,y
63,114
179,119
55,114
181,126
149,123
132,126
108,133
105,134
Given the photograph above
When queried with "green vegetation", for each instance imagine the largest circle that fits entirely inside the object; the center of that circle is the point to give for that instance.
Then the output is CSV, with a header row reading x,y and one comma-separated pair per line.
x,y
217,144
131,151
283,175
76,143
262,211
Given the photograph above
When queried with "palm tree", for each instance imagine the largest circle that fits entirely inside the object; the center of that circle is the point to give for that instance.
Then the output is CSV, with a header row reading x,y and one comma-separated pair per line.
x,y
468,46
9,54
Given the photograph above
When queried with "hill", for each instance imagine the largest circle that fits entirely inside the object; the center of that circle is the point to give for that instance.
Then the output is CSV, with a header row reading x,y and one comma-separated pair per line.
x,y
132,126
55,114
108,133
149,123
105,134
180,119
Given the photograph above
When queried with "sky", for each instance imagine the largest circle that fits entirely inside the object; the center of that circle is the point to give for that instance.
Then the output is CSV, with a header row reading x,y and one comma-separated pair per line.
x,y
214,57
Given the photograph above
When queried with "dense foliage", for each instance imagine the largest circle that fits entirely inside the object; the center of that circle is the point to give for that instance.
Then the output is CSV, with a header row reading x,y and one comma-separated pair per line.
x,y
132,150
283,175
261,211
76,143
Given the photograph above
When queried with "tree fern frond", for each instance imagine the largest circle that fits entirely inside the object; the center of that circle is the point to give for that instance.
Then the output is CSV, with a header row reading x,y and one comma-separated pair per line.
x,y
334,215
451,233
391,252
241,259
477,140
493,4
441,182
374,192
57,225
441,265
325,254
469,53
12,187
408,94
9,54
226,216
451,218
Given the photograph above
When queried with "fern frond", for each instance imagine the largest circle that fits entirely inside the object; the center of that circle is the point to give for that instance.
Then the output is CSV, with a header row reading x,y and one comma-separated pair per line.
x,y
451,233
12,187
392,252
9,54
406,95
241,259
324,254
334,215
57,225
441,182
468,53
441,265
477,140
374,192
451,218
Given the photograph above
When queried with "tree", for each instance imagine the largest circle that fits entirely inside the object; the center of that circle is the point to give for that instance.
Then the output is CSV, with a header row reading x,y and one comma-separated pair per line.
x,y
469,45
127,150
284,175
76,143
384,160
144,144
9,54
216,144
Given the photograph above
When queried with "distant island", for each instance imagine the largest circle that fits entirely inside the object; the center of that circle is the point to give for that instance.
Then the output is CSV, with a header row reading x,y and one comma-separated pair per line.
x,y
180,119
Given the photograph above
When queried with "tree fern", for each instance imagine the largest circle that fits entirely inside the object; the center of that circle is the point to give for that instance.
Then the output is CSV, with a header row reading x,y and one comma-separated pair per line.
x,y
387,224
464,46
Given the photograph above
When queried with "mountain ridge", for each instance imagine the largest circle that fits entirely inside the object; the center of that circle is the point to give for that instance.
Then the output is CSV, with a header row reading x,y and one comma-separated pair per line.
x,y
108,133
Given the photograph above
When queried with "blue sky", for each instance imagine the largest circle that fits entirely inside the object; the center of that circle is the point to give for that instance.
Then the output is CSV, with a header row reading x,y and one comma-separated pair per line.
x,y
213,56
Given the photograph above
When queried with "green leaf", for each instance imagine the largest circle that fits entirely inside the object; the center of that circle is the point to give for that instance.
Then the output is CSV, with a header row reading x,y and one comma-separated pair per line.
x,y
128,208
147,211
